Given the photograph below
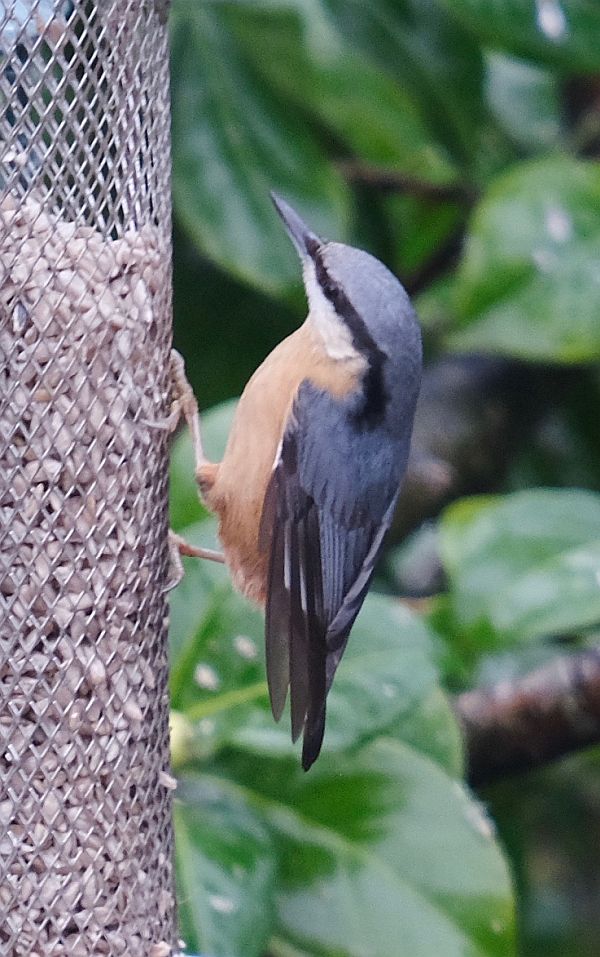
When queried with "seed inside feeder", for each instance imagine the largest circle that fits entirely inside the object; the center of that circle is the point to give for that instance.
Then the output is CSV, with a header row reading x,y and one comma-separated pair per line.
x,y
80,378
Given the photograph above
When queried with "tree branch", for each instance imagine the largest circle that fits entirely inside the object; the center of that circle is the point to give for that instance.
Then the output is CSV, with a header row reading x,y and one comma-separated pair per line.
x,y
519,725
395,181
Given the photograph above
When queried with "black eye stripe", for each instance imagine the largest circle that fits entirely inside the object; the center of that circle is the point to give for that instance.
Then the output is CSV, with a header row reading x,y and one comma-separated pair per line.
x,y
372,409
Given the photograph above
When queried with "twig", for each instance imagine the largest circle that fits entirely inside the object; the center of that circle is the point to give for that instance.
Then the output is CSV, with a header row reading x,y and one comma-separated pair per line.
x,y
519,725
393,180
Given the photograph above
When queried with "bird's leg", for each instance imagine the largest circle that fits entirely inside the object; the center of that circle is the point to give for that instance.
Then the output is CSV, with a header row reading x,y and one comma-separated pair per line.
x,y
184,404
178,546
184,548
176,570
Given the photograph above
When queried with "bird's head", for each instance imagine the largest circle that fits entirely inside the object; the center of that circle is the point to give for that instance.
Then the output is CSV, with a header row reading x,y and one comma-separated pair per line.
x,y
358,306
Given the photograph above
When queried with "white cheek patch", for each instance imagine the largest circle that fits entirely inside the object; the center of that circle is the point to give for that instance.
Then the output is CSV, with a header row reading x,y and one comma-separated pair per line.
x,y
336,336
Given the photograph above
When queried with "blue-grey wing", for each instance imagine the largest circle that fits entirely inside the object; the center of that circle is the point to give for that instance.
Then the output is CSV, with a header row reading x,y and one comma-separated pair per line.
x,y
328,506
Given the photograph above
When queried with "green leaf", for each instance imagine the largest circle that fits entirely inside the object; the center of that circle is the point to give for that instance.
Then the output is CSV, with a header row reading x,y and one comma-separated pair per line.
x,y
528,284
561,596
421,229
233,141
562,32
527,564
428,53
382,854
216,646
436,305
525,99
225,868
352,96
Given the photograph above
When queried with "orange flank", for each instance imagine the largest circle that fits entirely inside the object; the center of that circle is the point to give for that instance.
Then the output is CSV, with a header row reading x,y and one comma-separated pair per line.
x,y
235,488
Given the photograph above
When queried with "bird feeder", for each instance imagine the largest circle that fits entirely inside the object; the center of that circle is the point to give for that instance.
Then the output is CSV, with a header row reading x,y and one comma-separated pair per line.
x,y
85,329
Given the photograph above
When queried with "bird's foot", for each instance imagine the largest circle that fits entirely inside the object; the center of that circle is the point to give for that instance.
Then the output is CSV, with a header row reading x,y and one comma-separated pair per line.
x,y
183,405
178,546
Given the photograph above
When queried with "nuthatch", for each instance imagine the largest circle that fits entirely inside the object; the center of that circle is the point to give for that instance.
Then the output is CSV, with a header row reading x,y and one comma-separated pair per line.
x,y
309,480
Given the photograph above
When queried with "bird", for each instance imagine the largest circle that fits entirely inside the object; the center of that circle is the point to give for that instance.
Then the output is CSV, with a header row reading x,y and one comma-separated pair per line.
x,y
308,483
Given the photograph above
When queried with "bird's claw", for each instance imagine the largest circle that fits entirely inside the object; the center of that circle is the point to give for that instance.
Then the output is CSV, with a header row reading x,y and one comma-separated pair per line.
x,y
178,546
183,404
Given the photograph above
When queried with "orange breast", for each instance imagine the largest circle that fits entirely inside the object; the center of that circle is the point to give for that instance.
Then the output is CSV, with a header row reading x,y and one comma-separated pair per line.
x,y
240,480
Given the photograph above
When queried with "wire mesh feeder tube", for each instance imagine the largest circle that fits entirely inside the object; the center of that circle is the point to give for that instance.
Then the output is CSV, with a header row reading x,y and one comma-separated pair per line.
x,y
85,802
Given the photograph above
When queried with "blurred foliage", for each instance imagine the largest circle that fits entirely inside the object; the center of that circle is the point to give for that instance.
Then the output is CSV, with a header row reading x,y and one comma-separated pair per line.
x,y
524,565
458,140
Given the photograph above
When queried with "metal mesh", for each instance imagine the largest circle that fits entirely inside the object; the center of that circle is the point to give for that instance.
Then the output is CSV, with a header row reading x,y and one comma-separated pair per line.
x,y
85,799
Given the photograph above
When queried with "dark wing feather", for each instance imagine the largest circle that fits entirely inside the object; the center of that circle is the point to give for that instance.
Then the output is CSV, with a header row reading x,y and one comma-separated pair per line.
x,y
277,622
295,627
329,503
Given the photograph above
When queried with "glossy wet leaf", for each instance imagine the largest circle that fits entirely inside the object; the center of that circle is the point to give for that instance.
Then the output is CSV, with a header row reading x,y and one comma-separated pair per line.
x,y
225,868
364,105
381,853
421,47
563,32
529,282
528,564
234,140
414,44
525,99
561,597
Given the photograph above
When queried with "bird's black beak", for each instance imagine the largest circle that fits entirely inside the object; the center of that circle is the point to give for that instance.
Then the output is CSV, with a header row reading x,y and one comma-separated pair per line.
x,y
303,238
